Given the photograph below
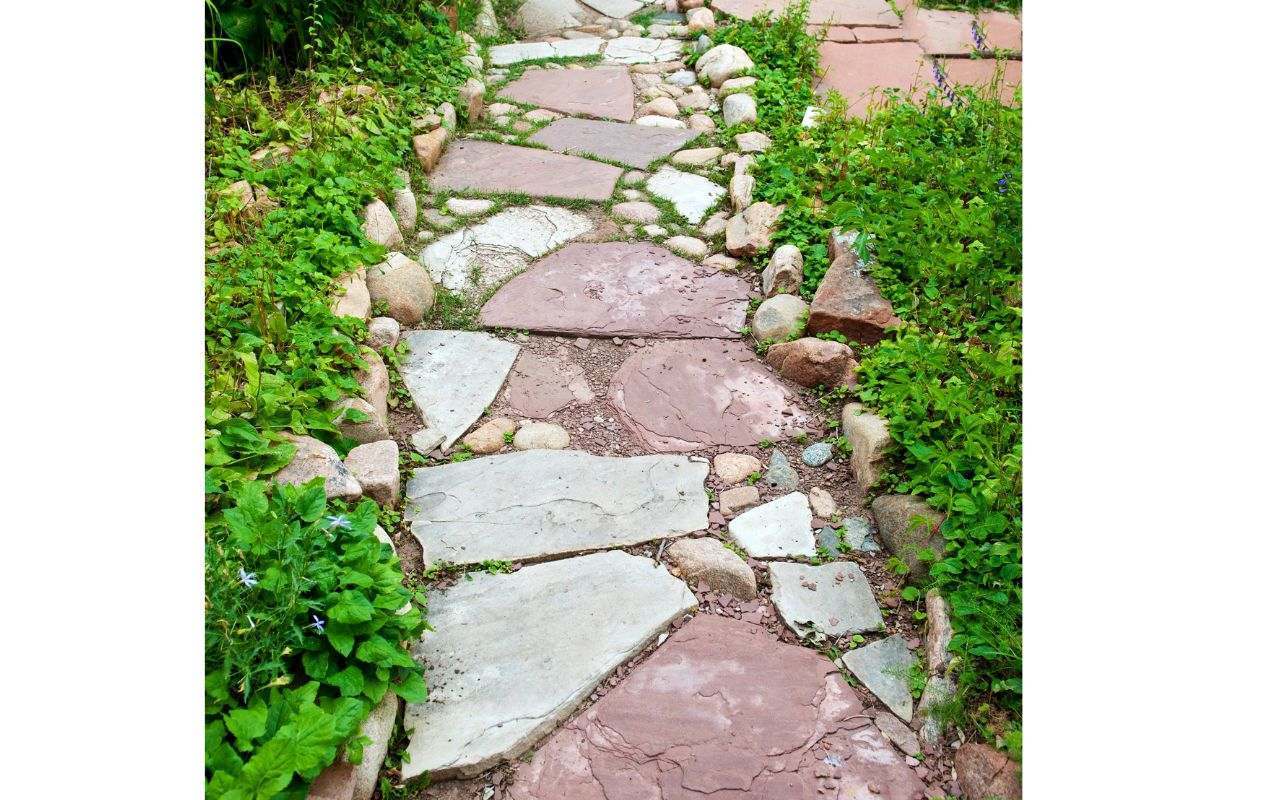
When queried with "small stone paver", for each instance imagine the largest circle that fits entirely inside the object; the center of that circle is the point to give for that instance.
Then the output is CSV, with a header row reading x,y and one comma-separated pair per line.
x,y
543,503
722,709
453,376
883,666
488,253
778,529
540,385
707,559
641,50
620,289
604,92
503,54
832,599
677,396
479,166
692,195
496,685
836,12
633,145
858,71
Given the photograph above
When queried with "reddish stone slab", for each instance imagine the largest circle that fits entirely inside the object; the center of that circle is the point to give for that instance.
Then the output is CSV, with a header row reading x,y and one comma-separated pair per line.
x,y
982,72
721,710
604,92
620,289
847,300
836,12
1003,30
941,33
860,71
834,33
883,34
634,145
682,396
478,166
539,386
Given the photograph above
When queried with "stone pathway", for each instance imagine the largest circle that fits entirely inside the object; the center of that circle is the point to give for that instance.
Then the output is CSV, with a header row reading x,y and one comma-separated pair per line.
x,y
666,544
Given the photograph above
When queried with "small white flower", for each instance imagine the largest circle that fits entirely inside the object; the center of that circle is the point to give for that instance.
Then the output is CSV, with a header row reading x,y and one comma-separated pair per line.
x,y
249,579
318,624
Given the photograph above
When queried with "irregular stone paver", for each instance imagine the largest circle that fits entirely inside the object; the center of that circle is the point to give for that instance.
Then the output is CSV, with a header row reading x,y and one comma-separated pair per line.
x,y
777,529
941,33
618,9
549,502
981,72
686,395
528,51
604,92
492,251
692,195
721,710
1003,31
453,376
882,667
479,166
541,17
513,655
641,50
620,289
539,386
634,145
834,599
836,12
858,71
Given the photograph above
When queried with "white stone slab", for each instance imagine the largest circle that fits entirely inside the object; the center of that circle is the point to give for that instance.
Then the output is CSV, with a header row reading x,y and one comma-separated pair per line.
x,y
486,254
503,54
833,599
513,655
777,529
883,668
692,195
641,50
542,503
618,9
453,376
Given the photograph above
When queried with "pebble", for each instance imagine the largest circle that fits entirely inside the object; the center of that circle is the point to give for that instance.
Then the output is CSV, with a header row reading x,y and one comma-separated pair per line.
x,y
817,454
781,475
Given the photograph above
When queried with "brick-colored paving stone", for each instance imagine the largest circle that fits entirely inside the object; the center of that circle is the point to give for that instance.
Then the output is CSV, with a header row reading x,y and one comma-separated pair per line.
x,y
980,72
478,166
604,92
857,71
836,12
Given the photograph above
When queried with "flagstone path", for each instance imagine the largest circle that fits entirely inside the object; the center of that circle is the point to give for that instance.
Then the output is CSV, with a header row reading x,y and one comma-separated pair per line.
x,y
584,220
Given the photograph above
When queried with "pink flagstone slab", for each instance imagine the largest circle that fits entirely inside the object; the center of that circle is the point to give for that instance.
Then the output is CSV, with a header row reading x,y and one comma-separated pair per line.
x,y
687,395
540,385
1003,30
478,166
836,12
941,32
634,145
620,289
859,71
604,92
721,710
981,72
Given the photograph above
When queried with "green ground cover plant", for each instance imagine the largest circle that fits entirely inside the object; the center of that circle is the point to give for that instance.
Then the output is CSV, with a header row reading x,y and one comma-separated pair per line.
x,y
936,191
302,634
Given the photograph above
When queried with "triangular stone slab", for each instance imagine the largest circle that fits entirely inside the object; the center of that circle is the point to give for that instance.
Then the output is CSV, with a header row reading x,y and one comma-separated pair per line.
x,y
780,528
620,289
542,503
633,145
513,655
876,13
539,385
721,710
692,195
488,253
453,376
677,396
473,165
882,667
605,92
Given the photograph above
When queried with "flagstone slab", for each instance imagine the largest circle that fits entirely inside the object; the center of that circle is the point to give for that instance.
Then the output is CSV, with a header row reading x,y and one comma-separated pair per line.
x,y
837,12
692,195
861,71
503,54
453,376
642,50
486,254
883,666
540,503
511,656
605,92
472,165
618,9
677,396
633,145
621,289
941,33
981,72
540,386
833,599
1003,30
778,529
721,710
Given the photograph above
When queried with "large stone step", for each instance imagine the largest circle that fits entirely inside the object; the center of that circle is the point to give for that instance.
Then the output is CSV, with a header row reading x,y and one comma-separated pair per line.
x,y
542,503
474,165
513,655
